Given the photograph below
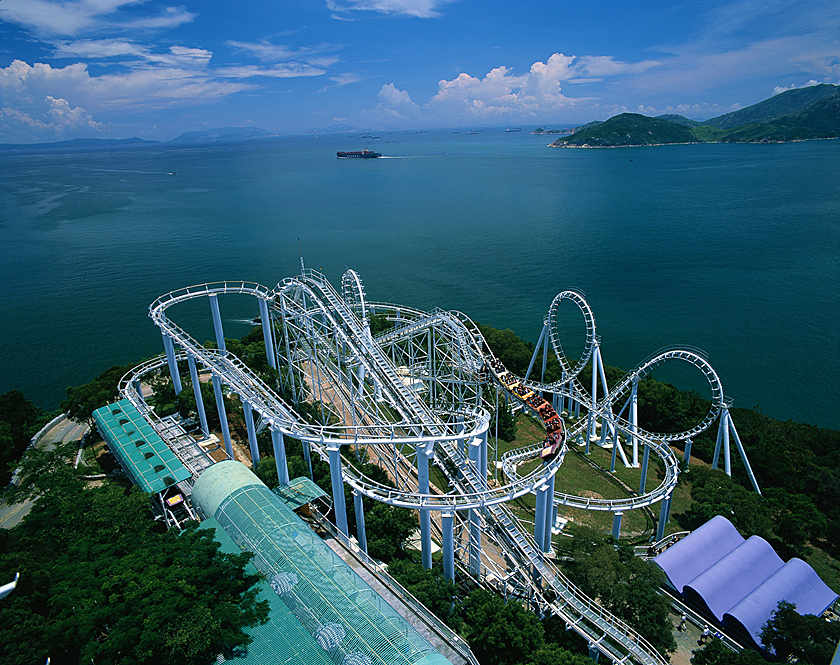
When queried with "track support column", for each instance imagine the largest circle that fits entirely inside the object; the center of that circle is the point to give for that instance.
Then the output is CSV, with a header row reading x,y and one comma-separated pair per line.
x,y
475,515
616,527
359,509
268,334
279,445
539,516
252,433
634,420
307,457
594,653
687,455
645,460
220,407
447,527
664,513
217,321
199,400
338,490
549,515
169,348
423,454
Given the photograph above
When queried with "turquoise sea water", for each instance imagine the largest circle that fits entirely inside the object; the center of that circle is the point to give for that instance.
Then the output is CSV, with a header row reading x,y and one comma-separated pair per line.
x,y
732,248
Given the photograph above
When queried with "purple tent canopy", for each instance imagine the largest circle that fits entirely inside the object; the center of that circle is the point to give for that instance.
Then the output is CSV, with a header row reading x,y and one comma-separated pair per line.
x,y
698,551
796,583
741,581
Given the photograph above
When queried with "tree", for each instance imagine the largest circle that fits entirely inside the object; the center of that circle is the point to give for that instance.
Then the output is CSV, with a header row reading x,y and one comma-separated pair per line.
x,y
624,584
794,637
717,653
507,422
82,400
552,654
430,587
101,581
499,632
18,420
387,529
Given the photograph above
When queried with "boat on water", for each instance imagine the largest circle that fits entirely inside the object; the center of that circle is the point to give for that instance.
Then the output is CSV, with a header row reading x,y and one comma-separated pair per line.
x,y
358,154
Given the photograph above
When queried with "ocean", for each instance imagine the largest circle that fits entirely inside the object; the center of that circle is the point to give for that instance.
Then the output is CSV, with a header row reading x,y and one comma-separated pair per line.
x,y
731,248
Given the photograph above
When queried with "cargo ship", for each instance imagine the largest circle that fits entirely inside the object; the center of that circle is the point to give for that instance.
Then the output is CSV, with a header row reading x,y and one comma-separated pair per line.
x,y
358,154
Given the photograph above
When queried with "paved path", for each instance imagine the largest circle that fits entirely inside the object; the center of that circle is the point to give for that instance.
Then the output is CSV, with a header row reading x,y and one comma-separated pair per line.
x,y
63,431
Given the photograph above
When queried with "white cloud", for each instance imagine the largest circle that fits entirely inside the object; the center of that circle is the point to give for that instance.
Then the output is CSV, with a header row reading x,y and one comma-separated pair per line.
x,y
268,52
50,116
345,79
784,88
395,104
283,71
136,54
75,16
415,8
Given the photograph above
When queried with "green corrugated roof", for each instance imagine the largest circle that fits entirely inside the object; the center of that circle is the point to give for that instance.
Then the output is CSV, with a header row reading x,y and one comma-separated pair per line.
x,y
282,640
299,492
149,462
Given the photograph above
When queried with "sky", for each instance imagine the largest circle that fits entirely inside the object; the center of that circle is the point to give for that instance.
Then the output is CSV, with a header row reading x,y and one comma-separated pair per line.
x,y
122,68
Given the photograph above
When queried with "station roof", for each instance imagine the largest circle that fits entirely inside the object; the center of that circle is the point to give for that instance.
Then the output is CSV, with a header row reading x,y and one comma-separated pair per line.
x,y
149,462
299,492
347,619
282,640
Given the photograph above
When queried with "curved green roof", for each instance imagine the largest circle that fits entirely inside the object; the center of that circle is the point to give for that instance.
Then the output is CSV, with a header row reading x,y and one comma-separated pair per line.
x,y
218,482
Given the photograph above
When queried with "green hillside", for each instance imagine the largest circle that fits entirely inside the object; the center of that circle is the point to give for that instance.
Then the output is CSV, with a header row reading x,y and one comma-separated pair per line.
x,y
819,120
783,104
679,119
629,129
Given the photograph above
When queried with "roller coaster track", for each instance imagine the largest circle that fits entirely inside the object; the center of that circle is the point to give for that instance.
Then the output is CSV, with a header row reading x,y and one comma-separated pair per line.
x,y
328,320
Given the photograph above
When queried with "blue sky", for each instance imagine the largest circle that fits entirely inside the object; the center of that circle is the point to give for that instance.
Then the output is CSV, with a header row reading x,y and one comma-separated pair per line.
x,y
116,68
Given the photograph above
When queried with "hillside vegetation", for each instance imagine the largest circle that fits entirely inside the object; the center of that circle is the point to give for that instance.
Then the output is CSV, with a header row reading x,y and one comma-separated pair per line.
x,y
803,113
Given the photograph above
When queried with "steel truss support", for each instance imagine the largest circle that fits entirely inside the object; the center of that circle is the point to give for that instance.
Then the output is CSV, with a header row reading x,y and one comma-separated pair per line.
x,y
220,408
540,343
268,333
279,445
423,455
359,509
169,348
447,529
338,490
199,400
645,461
726,428
217,321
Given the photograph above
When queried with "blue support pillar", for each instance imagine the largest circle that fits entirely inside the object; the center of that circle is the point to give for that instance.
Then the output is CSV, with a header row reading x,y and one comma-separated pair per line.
x,y
687,455
446,527
199,400
423,454
338,490
268,334
645,460
138,387
220,407
359,509
169,348
217,322
307,457
549,515
616,527
539,516
482,458
664,512
614,450
252,433
536,351
594,653
475,516
279,446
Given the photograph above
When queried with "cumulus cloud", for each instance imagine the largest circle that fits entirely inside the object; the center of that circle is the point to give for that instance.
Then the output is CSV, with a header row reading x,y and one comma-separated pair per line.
x,y
395,104
75,16
52,116
415,8
784,88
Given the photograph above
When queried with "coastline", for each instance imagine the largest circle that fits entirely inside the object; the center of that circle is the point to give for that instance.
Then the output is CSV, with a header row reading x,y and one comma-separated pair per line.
x,y
586,146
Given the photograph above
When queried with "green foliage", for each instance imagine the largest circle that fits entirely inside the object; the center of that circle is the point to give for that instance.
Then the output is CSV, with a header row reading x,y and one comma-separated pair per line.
x,y
499,632
387,529
552,654
806,639
716,653
512,350
379,323
506,422
630,129
430,587
82,400
786,103
624,584
19,420
101,581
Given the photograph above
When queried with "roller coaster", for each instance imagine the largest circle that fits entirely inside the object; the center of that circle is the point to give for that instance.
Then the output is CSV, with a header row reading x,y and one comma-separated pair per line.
x,y
420,392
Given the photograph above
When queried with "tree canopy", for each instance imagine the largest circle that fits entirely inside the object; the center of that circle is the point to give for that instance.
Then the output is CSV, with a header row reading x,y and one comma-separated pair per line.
x,y
19,418
101,581
806,639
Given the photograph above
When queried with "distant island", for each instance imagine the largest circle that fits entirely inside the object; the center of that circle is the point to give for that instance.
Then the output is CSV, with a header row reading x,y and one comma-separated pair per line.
x,y
794,115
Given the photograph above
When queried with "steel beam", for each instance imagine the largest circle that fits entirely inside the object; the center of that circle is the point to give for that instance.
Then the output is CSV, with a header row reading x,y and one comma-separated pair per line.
x,y
338,490
252,433
616,526
220,408
199,400
279,445
359,509
446,527
645,460
217,321
169,348
268,333
423,455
